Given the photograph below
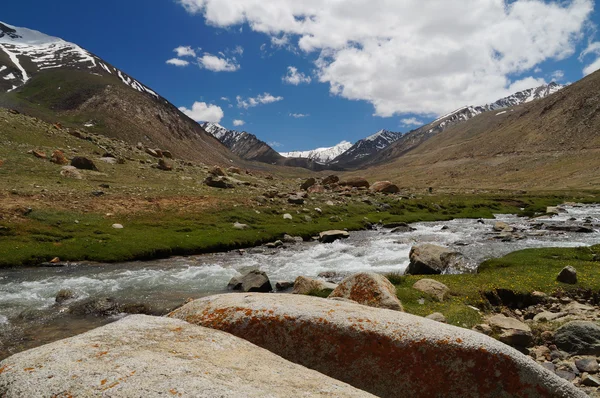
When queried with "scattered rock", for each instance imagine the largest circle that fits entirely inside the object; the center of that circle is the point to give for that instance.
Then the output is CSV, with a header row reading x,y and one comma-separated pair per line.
x,y
590,381
39,154
292,239
118,226
71,172
296,200
565,374
547,316
82,163
274,245
304,285
238,225
167,154
568,275
217,172
369,289
579,338
571,228
253,281
433,288
402,230
516,338
483,328
436,316
109,160
385,187
64,295
501,226
155,356
153,153
503,322
283,285
234,170
308,183
287,216
103,306
369,347
329,180
316,189
356,182
58,157
428,259
218,182
333,235
164,165
589,365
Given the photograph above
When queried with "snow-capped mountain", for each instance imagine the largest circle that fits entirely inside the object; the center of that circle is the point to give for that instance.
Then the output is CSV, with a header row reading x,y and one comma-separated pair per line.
x,y
321,155
367,147
245,145
29,52
415,137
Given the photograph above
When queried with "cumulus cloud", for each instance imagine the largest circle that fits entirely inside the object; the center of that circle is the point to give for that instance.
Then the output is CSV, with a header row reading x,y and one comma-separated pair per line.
x,y
225,99
299,115
275,144
185,51
412,121
218,64
294,77
178,62
557,75
203,112
238,122
261,99
414,56
593,48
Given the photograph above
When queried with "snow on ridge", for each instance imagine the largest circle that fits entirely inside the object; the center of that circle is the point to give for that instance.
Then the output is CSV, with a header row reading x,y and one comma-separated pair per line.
x,y
322,155
26,36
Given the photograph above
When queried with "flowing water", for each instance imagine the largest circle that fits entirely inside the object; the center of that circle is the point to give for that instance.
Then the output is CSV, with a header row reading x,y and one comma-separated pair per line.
x,y
29,315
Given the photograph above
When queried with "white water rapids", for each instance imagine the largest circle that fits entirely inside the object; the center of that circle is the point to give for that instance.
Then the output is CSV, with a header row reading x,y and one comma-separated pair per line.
x,y
167,283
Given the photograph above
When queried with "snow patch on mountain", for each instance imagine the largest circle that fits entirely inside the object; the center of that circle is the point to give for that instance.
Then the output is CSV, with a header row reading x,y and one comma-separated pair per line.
x,y
48,52
321,155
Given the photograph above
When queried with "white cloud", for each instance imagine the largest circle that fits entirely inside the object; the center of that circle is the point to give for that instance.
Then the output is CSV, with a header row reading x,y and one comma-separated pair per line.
x,y
557,75
185,51
261,99
294,77
225,99
275,144
218,64
238,50
594,49
238,122
299,115
415,56
178,62
413,121
203,112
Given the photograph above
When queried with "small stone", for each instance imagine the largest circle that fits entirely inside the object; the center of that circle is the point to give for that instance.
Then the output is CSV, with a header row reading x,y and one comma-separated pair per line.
x,y
58,157
83,163
55,260
590,381
483,328
64,295
241,226
333,235
296,200
308,183
549,365
516,338
589,365
283,285
438,317
568,275
118,226
287,216
565,374
432,287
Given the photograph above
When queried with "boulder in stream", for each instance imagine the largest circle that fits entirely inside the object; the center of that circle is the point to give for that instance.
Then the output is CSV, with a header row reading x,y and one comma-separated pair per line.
x,y
428,259
253,281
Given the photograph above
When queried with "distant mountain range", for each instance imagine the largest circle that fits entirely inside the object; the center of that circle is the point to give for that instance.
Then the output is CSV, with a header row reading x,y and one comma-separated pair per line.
x,y
322,155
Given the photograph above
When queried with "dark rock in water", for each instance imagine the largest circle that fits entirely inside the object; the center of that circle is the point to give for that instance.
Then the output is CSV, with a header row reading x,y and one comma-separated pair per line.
x,y
570,228
64,295
395,225
579,338
274,245
102,306
253,281
480,221
332,236
402,230
568,275
82,163
308,183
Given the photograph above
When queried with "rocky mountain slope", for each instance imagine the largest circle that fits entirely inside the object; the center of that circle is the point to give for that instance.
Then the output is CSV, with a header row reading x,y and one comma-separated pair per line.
x,y
322,155
244,144
416,137
366,148
552,143
58,81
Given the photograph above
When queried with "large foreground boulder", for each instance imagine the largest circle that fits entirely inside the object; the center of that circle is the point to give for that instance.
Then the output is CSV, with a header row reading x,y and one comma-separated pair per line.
x,y
369,289
387,353
428,259
579,337
143,356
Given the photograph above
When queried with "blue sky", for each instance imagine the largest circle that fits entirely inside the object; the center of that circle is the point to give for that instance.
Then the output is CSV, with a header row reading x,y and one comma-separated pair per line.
x,y
371,66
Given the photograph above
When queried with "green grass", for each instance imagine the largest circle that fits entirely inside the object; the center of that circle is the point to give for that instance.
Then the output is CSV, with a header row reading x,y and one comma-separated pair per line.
x,y
521,272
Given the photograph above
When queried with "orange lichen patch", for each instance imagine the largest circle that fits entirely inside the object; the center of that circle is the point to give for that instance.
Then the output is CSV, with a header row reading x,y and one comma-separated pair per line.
x,y
132,373
29,369
459,341
177,330
103,382
173,391
95,345
4,369
101,354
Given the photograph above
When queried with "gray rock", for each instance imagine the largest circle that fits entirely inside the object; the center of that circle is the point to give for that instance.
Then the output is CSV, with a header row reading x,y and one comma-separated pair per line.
x,y
503,322
304,285
402,230
370,347
308,183
589,365
333,235
547,316
369,289
238,225
550,366
516,338
218,182
296,200
64,295
437,316
143,356
253,281
432,287
428,259
565,374
102,306
274,245
283,285
287,216
82,163
579,337
590,381
568,275
571,228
